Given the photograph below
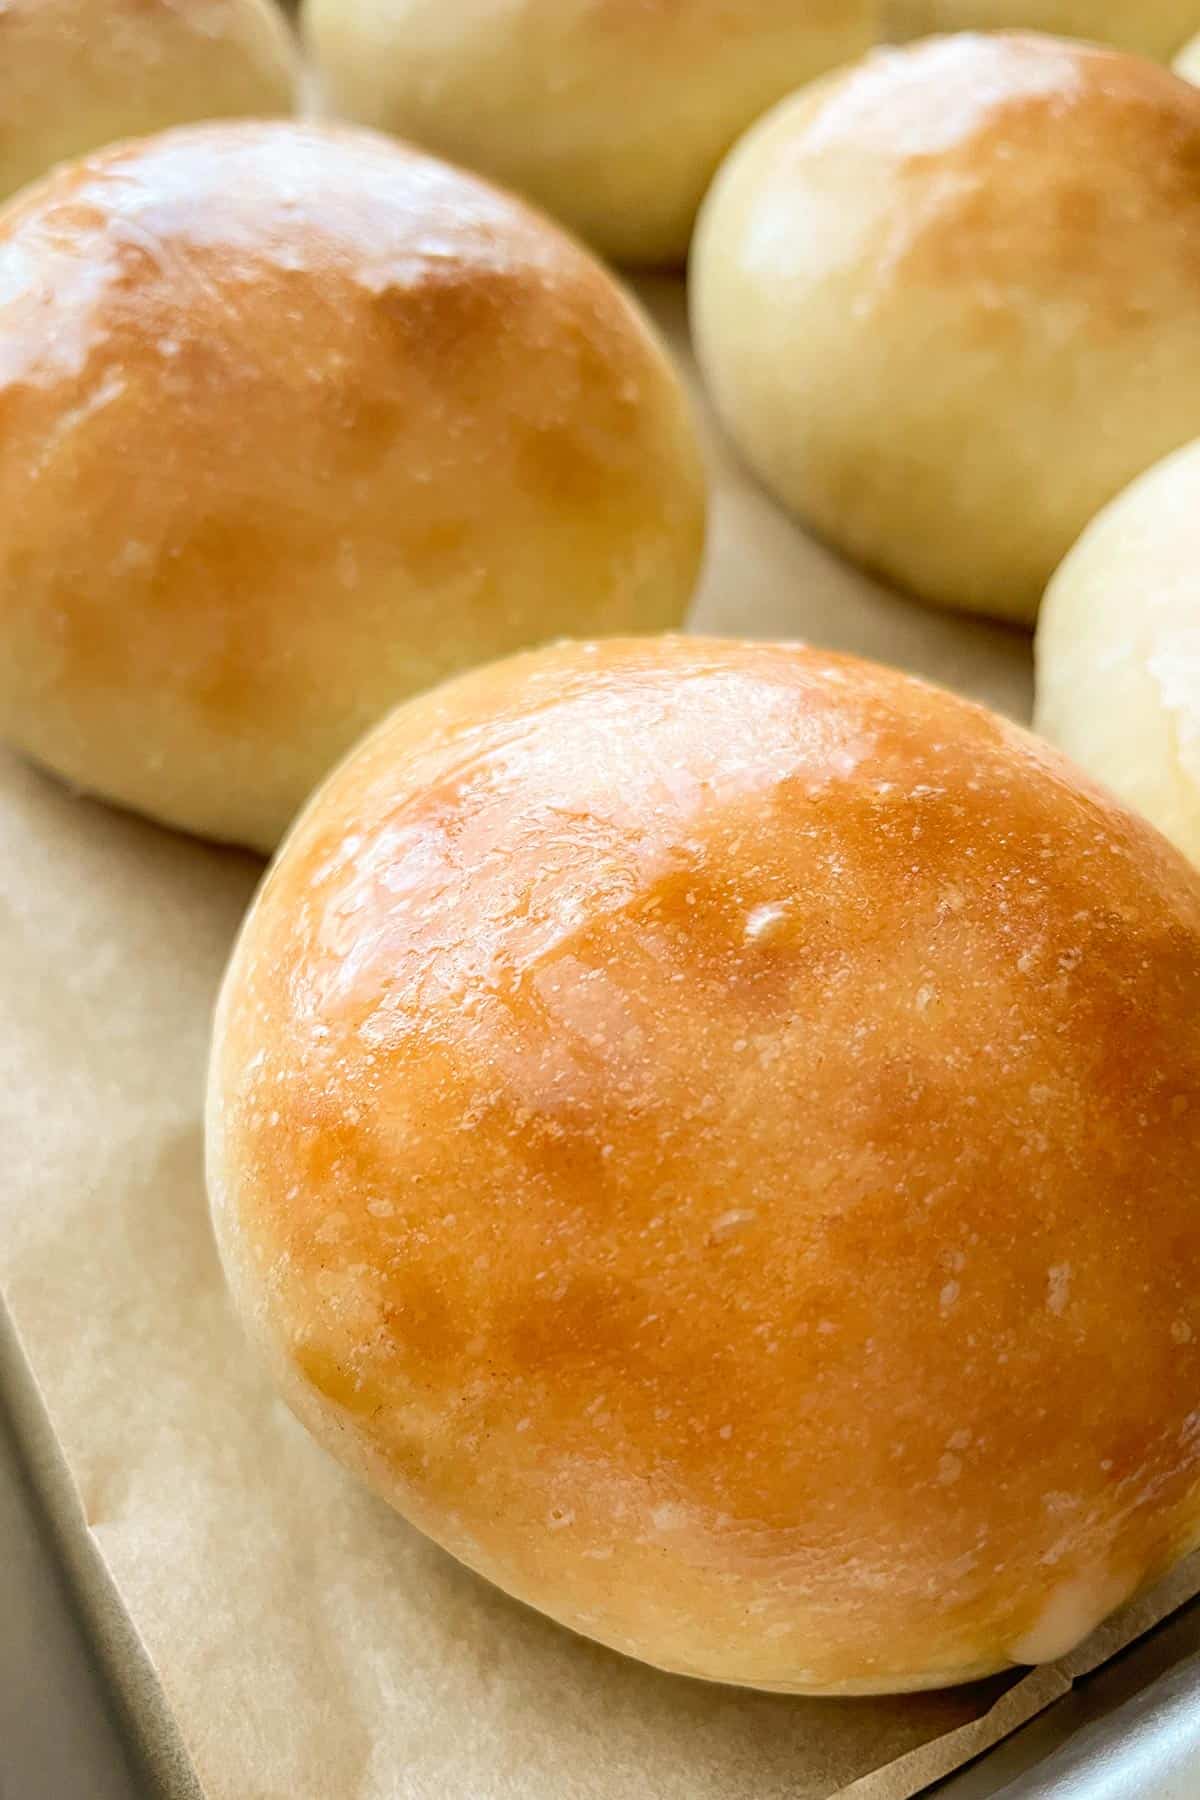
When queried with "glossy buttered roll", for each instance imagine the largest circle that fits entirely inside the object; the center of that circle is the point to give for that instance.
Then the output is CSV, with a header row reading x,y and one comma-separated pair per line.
x,y
711,1132
298,421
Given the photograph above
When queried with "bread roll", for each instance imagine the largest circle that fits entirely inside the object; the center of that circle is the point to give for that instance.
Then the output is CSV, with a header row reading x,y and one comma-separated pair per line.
x,y
1187,63
711,1132
1152,27
613,116
295,423
1118,649
948,305
78,73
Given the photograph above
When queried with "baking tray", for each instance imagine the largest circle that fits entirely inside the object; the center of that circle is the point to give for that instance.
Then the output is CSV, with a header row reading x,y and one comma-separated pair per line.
x,y
59,1735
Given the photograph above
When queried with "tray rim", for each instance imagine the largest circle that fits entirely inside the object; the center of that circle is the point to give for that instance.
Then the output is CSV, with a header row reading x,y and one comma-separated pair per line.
x,y
148,1729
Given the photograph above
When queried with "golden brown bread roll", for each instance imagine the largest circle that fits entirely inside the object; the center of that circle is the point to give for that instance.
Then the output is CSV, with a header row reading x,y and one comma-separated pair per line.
x,y
710,1131
948,304
1152,27
1118,649
613,116
75,74
294,423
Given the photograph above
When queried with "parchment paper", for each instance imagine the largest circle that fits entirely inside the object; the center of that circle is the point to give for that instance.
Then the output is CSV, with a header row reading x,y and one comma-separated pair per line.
x,y
310,1646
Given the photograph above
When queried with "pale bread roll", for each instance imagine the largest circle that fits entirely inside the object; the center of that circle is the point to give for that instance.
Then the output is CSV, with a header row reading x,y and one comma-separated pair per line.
x,y
1187,63
1151,27
711,1133
297,422
612,115
1118,649
948,304
75,74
